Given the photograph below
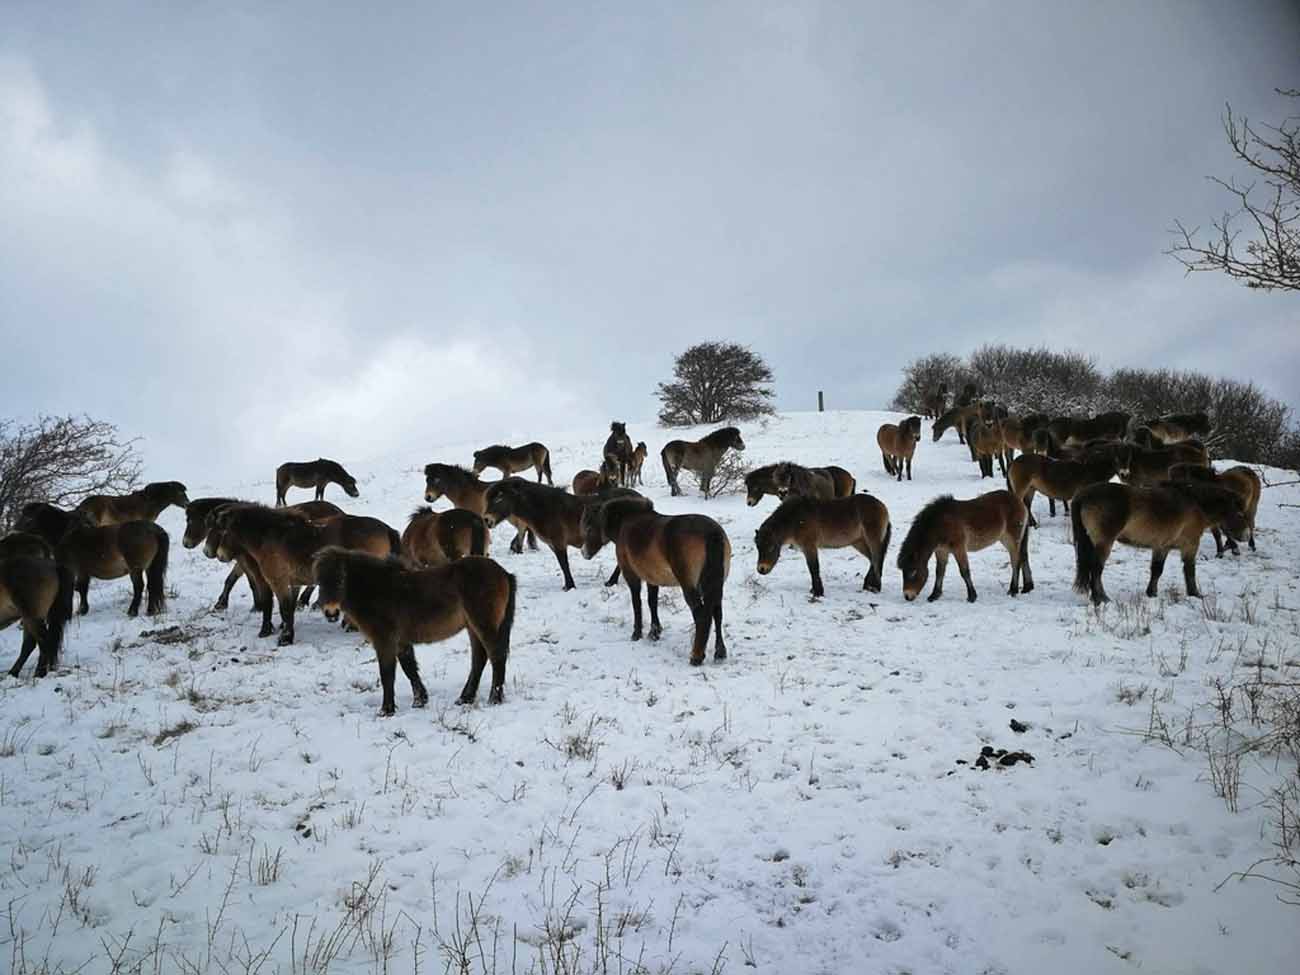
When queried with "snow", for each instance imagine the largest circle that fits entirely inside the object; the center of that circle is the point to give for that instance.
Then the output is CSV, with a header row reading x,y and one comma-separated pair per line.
x,y
798,807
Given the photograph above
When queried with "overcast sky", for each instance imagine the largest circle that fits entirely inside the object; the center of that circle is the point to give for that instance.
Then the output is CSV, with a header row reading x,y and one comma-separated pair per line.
x,y
259,232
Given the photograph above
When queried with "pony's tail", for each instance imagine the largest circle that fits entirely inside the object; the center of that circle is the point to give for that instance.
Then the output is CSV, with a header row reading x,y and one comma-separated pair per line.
x,y
478,534
714,571
56,621
1086,564
853,486
884,459
394,544
507,623
668,470
156,574
546,467
884,545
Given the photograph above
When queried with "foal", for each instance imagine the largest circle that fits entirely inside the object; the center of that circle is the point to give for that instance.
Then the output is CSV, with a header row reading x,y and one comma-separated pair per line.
x,y
618,452
698,456
438,537
511,460
897,444
810,524
316,474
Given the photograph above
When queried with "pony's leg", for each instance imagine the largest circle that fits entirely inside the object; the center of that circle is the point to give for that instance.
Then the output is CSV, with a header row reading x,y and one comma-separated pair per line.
x,y
287,598
223,601
386,655
320,496
613,578
1099,594
889,464
652,597
703,620
1026,574
531,538
517,543
83,589
1051,505
1189,571
815,571
1157,567
1028,499
1251,537
1218,542
29,644
478,658
562,556
634,589
137,590
411,668
963,566
36,631
909,468
940,569
719,648
870,582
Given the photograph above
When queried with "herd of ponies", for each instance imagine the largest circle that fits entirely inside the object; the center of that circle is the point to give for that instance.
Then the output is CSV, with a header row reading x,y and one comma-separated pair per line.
x,y
434,579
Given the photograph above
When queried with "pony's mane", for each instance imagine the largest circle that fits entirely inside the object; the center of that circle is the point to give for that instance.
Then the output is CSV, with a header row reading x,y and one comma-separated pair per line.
x,y
726,433
787,511
454,469
423,511
269,522
761,472
923,526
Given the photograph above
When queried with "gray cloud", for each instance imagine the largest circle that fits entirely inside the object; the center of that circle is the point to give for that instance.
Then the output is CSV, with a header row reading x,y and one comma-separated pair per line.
x,y
253,233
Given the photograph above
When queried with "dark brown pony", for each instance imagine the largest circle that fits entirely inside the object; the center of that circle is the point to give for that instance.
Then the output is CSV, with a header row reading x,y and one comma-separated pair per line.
x,y
947,526
282,546
936,402
25,544
779,479
691,552
37,592
1176,427
1241,481
1162,519
1059,480
897,444
143,505
552,514
48,521
135,548
438,537
810,524
637,462
698,456
1147,468
958,418
464,490
618,452
397,607
313,474
511,460
1068,431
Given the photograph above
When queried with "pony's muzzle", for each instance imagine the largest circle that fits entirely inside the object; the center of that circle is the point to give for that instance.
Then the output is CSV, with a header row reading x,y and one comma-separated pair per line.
x,y
490,520
764,568
331,611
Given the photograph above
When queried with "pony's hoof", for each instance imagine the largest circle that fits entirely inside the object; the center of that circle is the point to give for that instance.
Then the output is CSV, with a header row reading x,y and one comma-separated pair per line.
x,y
284,640
497,695
720,653
932,597
970,597
697,661
420,701
656,632
133,613
387,712
1027,589
220,607
636,635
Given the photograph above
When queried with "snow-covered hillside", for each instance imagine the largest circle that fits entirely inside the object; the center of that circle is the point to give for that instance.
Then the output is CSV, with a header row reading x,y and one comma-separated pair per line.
x,y
184,797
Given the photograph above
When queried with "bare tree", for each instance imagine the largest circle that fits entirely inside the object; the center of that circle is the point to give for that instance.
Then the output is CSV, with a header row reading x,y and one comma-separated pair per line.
x,y
1269,258
715,381
923,377
61,459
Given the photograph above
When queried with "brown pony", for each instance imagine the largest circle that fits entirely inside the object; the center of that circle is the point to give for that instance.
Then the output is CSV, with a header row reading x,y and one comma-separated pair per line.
x,y
785,477
199,521
464,490
1068,431
1241,481
958,418
552,514
618,452
897,444
592,482
810,524
510,460
397,607
936,402
986,443
38,592
282,546
1176,427
313,474
135,548
438,537
143,505
1059,480
1172,516
947,526
698,456
636,463
25,544
691,552
1018,433
1147,468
